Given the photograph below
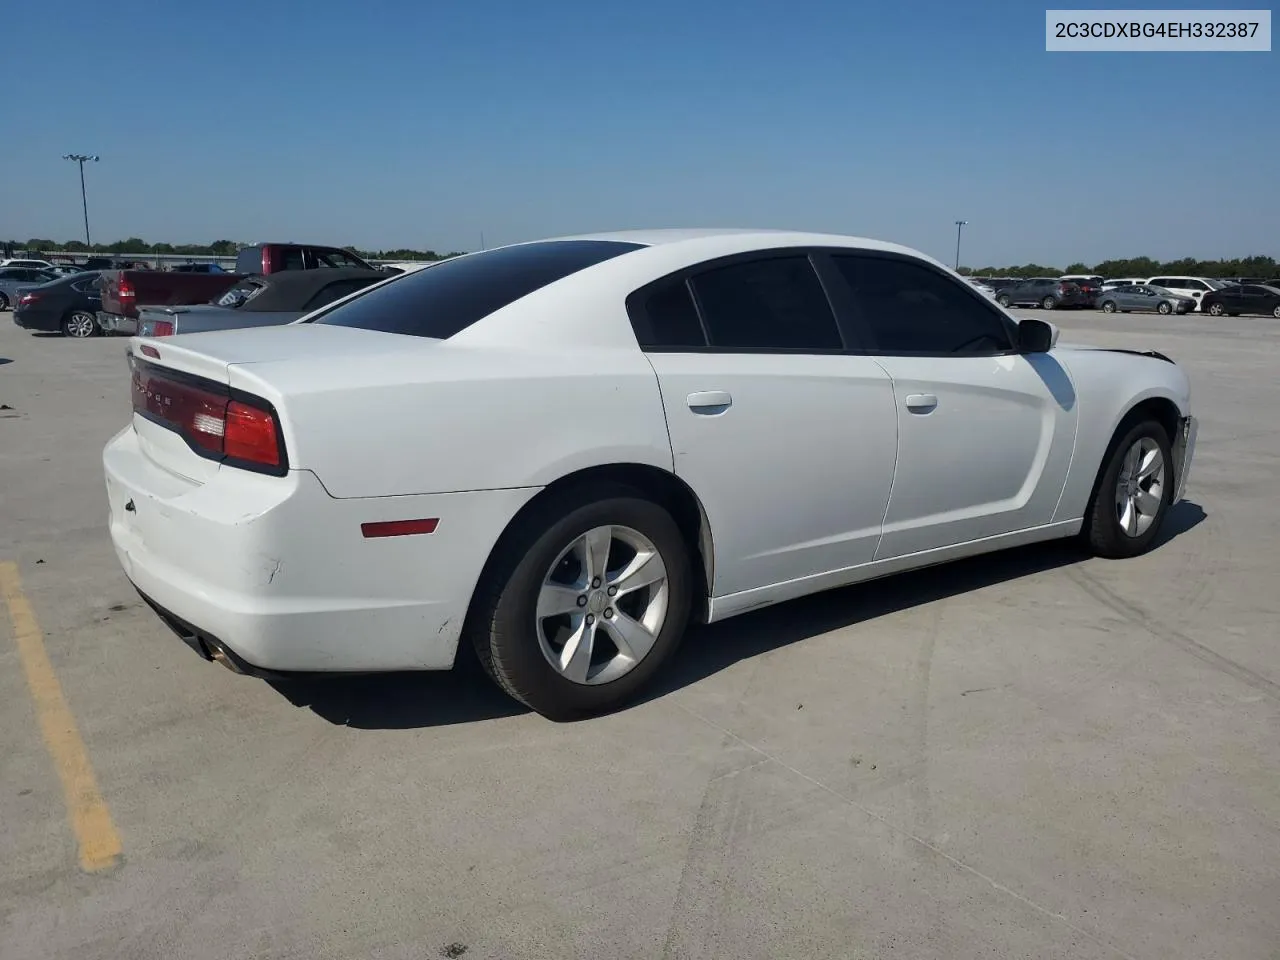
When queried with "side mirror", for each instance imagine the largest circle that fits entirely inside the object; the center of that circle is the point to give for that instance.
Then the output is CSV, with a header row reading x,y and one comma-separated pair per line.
x,y
1036,336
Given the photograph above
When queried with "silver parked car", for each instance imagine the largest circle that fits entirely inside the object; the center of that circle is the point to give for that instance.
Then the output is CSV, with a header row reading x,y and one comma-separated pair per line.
x,y
11,278
1144,298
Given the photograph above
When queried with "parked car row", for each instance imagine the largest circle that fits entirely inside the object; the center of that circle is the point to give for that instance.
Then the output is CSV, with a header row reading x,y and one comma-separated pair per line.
x,y
1088,290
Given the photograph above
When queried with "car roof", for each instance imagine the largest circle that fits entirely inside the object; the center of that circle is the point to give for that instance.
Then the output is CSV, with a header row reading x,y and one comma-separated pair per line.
x,y
587,309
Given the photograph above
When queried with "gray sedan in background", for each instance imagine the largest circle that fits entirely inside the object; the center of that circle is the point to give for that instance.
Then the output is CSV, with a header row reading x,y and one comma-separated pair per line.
x,y
260,301
12,278
1144,298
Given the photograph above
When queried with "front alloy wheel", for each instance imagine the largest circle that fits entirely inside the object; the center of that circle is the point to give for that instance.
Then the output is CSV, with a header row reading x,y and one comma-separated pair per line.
x,y
1108,306
1164,307
1131,497
1048,303
1140,487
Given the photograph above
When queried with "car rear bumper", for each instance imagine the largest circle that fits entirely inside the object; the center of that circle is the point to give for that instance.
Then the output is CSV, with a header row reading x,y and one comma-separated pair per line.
x,y
276,574
35,320
115,323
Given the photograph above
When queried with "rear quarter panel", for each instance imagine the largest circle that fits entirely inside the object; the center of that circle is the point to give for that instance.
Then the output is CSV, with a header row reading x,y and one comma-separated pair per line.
x,y
1108,386
455,418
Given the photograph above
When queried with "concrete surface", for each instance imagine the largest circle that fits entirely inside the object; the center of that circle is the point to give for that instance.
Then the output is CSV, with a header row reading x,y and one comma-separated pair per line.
x,y
1025,756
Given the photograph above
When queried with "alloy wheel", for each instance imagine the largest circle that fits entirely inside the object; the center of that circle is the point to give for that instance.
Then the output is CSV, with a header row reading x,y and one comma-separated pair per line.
x,y
602,605
1140,487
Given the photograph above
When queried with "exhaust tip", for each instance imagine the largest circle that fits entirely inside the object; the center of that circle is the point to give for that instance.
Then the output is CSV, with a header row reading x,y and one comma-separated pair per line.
x,y
219,655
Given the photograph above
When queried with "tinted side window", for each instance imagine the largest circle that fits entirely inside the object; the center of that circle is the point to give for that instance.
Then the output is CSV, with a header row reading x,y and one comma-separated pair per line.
x,y
450,296
1164,282
910,308
772,304
664,317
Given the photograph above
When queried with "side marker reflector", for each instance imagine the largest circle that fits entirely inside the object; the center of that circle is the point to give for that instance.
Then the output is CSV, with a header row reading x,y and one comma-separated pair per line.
x,y
399,528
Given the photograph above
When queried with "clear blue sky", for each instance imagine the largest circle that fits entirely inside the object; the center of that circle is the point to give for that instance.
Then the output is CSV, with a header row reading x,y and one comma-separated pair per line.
x,y
425,123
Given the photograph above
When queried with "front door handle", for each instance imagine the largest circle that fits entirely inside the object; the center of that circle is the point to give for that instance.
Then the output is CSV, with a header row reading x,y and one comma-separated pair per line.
x,y
922,402
709,401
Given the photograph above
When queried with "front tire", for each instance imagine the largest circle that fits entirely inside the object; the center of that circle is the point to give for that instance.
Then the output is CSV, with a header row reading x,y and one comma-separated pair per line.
x,y
1108,306
4,302
1164,308
1003,301
1276,313
583,601
1048,303
1216,310
1133,492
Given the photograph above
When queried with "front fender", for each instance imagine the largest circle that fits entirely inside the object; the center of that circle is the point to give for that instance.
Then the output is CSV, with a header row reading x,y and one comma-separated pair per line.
x,y
1109,385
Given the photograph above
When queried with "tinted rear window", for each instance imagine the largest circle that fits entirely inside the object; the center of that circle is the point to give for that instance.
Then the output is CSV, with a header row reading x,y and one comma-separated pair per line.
x,y
451,296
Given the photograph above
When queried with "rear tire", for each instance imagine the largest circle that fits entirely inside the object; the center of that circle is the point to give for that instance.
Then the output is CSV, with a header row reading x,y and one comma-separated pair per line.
x,y
1108,306
1216,310
536,561
4,302
80,325
1276,313
1003,301
1048,303
1132,495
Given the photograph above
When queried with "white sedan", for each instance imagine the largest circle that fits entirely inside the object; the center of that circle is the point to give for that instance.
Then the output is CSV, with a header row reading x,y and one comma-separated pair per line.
x,y
563,451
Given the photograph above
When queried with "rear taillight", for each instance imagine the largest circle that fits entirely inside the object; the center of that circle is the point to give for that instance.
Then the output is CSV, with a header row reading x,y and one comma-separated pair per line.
x,y
240,432
28,298
162,328
125,291
250,435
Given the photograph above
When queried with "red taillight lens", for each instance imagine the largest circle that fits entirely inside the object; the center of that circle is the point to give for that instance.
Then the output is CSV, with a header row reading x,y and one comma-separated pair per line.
x,y
28,298
126,291
162,328
206,416
251,435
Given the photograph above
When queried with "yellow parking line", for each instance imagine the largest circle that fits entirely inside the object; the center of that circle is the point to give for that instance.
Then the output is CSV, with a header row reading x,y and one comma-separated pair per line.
x,y
95,833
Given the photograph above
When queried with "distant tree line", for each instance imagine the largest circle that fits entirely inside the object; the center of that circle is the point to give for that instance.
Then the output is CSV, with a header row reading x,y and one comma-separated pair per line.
x,y
219,248
1261,267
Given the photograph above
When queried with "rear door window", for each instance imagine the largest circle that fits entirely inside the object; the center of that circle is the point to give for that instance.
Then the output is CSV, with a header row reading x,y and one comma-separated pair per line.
x,y
452,295
775,303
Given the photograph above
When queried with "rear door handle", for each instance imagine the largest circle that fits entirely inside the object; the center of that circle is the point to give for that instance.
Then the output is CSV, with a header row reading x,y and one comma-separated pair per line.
x,y
709,401
921,402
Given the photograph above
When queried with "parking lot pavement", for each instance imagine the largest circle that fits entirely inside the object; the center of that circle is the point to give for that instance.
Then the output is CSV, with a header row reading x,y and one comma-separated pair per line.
x,y
1029,755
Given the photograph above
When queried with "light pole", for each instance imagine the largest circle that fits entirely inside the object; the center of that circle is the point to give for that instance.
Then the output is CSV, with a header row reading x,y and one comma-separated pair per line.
x,y
80,158
959,226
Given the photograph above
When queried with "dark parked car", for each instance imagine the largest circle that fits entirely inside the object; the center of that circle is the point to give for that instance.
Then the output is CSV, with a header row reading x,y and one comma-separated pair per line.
x,y
277,257
259,302
999,283
1246,298
69,304
197,268
1046,292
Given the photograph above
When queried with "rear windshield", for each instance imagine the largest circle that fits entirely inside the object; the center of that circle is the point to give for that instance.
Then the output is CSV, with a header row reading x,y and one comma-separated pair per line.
x,y
450,296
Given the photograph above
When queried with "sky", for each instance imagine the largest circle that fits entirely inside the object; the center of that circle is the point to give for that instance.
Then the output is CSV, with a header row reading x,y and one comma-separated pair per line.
x,y
431,125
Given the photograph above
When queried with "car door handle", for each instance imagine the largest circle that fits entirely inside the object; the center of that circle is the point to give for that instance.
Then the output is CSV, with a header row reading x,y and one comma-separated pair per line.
x,y
921,402
709,401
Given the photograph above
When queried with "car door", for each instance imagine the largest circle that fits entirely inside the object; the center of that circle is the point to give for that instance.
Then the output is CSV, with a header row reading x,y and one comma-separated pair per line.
x,y
787,437
985,433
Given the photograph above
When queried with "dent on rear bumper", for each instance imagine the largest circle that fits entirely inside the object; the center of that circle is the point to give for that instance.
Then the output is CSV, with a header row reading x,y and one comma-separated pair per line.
x,y
279,571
